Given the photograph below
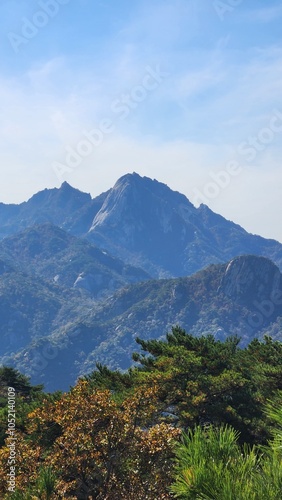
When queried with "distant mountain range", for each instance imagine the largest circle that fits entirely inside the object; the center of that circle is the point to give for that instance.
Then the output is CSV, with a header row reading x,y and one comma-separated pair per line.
x,y
80,278
142,222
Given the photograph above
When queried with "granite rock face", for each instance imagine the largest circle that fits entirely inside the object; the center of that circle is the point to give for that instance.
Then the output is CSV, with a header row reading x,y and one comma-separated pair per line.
x,y
252,277
142,222
147,224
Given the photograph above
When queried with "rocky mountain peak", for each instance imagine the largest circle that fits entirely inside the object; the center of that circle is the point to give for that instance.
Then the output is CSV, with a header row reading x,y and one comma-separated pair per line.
x,y
65,185
250,277
58,196
144,218
138,197
144,223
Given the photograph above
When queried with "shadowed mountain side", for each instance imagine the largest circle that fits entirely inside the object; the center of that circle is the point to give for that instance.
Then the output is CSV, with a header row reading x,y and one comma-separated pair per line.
x,y
29,309
214,301
59,257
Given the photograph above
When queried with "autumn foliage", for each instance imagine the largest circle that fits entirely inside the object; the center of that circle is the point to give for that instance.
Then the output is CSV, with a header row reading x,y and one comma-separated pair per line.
x,y
120,435
97,447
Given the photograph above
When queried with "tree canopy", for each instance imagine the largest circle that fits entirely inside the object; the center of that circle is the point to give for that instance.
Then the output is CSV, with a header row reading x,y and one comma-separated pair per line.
x,y
194,418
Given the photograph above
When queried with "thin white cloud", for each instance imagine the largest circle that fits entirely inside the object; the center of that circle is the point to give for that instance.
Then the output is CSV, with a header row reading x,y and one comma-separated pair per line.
x,y
216,96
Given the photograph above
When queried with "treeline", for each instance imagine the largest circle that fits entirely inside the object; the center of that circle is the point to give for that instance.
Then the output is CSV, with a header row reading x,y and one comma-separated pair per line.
x,y
196,418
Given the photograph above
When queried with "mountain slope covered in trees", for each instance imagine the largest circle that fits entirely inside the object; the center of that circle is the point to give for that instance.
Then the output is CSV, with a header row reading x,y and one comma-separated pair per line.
x,y
242,297
81,278
193,418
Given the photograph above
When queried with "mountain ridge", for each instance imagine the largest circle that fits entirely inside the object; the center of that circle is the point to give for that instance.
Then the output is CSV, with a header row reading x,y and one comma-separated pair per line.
x,y
54,255
144,222
208,302
83,277
149,225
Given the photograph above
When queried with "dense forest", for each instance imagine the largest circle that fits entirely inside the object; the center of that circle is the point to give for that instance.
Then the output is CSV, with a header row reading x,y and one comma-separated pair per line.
x,y
196,418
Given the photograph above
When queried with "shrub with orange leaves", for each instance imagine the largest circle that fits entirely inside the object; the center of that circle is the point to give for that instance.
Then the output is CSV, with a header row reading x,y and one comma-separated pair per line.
x,y
98,447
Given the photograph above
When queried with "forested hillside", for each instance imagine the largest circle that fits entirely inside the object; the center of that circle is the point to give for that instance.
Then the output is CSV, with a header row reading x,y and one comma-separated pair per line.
x,y
242,297
196,418
80,278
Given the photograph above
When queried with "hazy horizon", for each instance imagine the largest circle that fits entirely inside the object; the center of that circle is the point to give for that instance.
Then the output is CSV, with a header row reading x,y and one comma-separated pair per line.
x,y
187,92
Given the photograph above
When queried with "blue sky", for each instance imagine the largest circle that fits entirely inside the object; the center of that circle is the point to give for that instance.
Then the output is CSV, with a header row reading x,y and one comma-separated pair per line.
x,y
184,91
